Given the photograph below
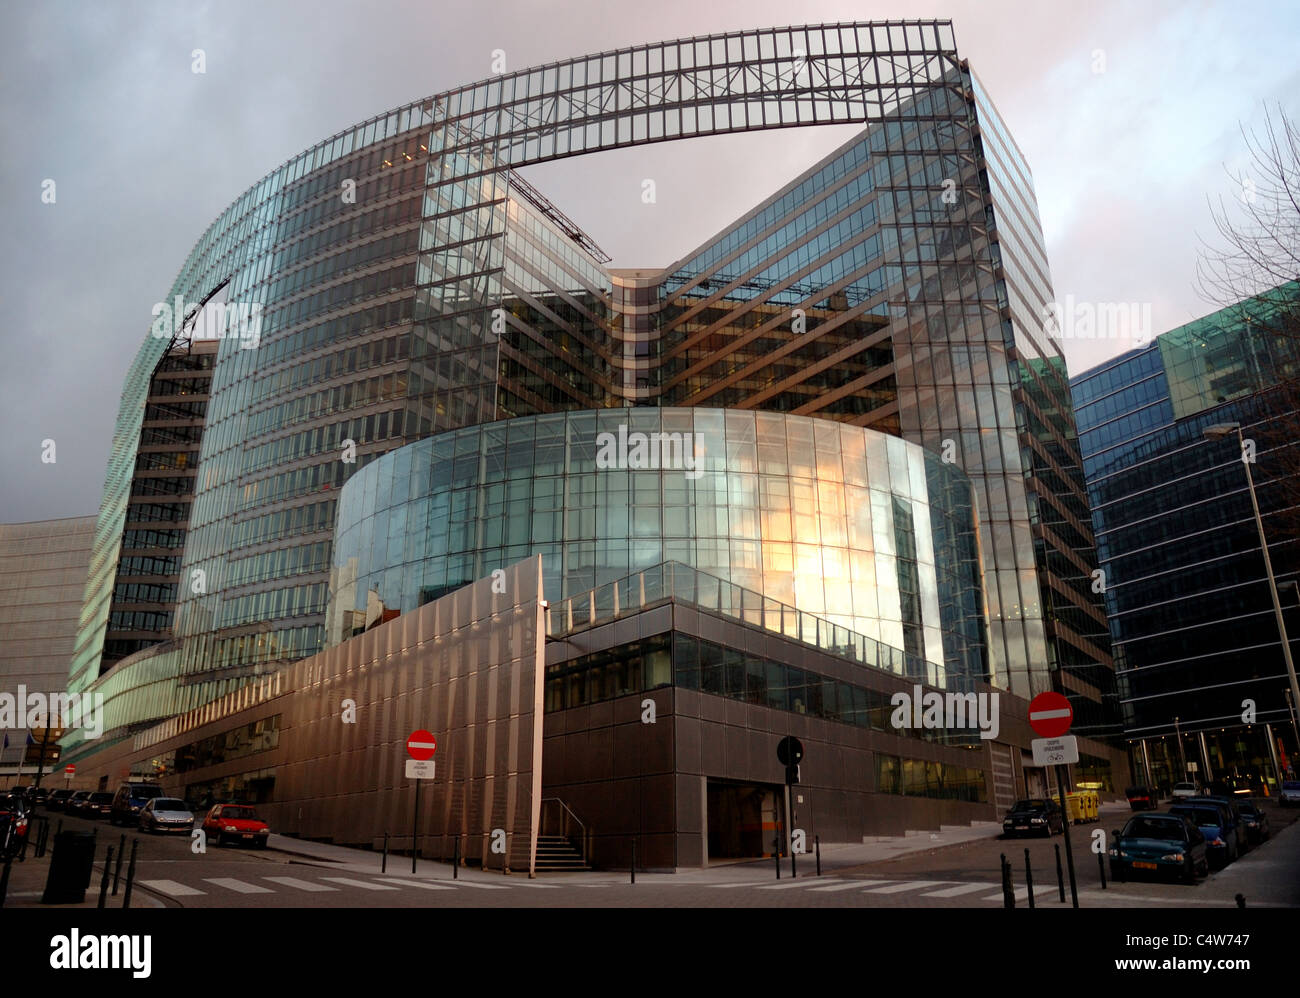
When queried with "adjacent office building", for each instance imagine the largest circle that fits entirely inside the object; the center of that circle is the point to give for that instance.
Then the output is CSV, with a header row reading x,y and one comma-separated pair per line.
x,y
884,425
1198,654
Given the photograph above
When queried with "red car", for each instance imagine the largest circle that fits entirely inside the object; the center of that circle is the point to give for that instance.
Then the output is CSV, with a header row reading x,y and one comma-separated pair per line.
x,y
236,823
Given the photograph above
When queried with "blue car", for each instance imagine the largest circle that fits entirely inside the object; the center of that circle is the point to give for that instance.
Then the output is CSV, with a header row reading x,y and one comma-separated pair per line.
x,y
1216,825
1158,843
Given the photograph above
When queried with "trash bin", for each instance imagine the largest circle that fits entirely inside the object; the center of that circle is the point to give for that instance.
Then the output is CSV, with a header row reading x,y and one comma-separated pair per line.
x,y
70,867
1076,810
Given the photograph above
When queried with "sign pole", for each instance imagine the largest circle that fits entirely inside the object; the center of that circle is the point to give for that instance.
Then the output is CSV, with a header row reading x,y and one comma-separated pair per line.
x,y
1065,830
415,829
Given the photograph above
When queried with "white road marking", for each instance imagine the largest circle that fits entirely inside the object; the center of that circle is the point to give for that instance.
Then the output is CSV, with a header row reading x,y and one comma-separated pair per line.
x,y
953,892
363,884
302,885
911,885
238,886
170,887
786,884
416,883
847,887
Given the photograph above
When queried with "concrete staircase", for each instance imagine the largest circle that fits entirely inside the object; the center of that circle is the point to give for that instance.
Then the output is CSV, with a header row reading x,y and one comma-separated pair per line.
x,y
556,854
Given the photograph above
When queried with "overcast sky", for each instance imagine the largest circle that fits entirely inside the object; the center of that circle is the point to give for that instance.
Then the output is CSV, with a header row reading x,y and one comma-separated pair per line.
x,y
100,97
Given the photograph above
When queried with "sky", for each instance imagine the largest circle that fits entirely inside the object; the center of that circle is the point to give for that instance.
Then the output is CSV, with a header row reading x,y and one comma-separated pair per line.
x,y
1129,115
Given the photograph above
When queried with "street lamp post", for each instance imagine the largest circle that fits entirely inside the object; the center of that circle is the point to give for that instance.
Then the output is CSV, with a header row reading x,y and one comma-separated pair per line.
x,y
1216,432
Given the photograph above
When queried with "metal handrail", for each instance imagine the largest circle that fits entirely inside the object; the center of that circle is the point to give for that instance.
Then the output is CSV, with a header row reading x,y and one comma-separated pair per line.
x,y
569,811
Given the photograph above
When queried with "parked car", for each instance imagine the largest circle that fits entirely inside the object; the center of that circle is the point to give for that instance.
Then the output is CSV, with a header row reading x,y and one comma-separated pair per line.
x,y
1182,791
1158,843
1214,822
1290,793
236,823
1141,798
98,805
1035,816
1233,808
77,801
58,800
166,814
1254,821
38,795
14,821
129,799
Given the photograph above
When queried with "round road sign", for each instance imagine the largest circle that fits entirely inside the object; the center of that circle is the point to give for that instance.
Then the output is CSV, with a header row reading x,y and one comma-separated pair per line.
x,y
789,750
69,769
1050,715
421,745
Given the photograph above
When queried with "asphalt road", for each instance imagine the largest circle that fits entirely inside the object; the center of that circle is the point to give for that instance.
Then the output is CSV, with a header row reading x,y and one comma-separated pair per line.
x,y
957,876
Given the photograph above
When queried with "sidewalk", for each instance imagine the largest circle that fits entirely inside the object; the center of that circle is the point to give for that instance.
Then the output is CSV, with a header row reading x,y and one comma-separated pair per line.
x,y
27,883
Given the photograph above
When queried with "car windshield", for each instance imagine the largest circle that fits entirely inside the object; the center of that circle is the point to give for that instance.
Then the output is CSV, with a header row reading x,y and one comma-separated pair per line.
x,y
1030,805
146,793
1248,808
1291,785
101,798
169,804
1202,817
239,814
1153,828
1184,786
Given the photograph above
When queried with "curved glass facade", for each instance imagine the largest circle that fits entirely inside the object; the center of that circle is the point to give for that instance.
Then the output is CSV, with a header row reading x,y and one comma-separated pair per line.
x,y
858,527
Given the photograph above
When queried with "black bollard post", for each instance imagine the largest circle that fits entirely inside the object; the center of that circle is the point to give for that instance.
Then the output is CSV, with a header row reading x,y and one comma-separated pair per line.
x,y
634,859
117,868
130,875
383,867
817,845
455,859
103,881
1029,880
776,855
1060,875
1008,893
59,829
4,882
1240,898
1101,865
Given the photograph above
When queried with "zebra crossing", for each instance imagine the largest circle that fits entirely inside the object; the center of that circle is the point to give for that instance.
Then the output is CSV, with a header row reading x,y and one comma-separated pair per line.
x,y
321,885
942,889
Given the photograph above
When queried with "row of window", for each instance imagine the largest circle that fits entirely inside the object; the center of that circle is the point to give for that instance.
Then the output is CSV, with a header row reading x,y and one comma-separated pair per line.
x,y
136,539
155,512
309,519
336,399
400,278
169,461
171,435
140,620
283,562
923,778
144,565
329,436
144,592
266,646
369,190
257,736
385,248
358,226
295,601
346,361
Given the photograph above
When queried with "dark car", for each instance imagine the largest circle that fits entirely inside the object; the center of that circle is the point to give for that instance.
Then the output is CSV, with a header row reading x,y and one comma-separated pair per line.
x,y
1158,843
77,801
166,814
38,795
1290,793
1232,806
129,799
1253,821
1215,823
1141,798
58,800
1034,816
14,820
98,805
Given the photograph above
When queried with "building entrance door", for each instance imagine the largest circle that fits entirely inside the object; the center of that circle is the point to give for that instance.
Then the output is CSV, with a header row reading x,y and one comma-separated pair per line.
x,y
743,820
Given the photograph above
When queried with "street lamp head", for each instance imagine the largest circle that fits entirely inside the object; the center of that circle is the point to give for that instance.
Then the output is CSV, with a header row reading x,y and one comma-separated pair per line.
x,y
1218,430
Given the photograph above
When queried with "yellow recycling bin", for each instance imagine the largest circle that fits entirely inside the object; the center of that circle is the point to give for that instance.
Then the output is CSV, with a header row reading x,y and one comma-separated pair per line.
x,y
1076,809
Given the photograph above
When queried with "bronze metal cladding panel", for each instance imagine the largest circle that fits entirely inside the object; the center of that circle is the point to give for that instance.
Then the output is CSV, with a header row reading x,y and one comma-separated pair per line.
x,y
467,667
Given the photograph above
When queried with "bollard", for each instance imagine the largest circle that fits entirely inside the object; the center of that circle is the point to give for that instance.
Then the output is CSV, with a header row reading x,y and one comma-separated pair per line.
x,y
44,838
4,882
776,855
634,859
383,867
1060,875
103,881
1008,892
117,869
1029,880
22,849
1240,898
455,859
817,845
793,872
1101,865
130,875
59,829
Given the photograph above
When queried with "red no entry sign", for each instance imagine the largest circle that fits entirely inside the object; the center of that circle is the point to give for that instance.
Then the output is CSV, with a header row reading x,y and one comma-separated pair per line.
x,y
1050,715
421,745
69,769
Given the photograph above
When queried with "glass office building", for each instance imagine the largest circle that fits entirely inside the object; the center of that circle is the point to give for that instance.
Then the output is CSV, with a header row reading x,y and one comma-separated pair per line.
x,y
408,282
1187,595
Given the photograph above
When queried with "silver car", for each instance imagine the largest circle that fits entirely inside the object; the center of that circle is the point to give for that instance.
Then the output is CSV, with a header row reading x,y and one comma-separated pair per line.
x,y
166,814
1184,790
